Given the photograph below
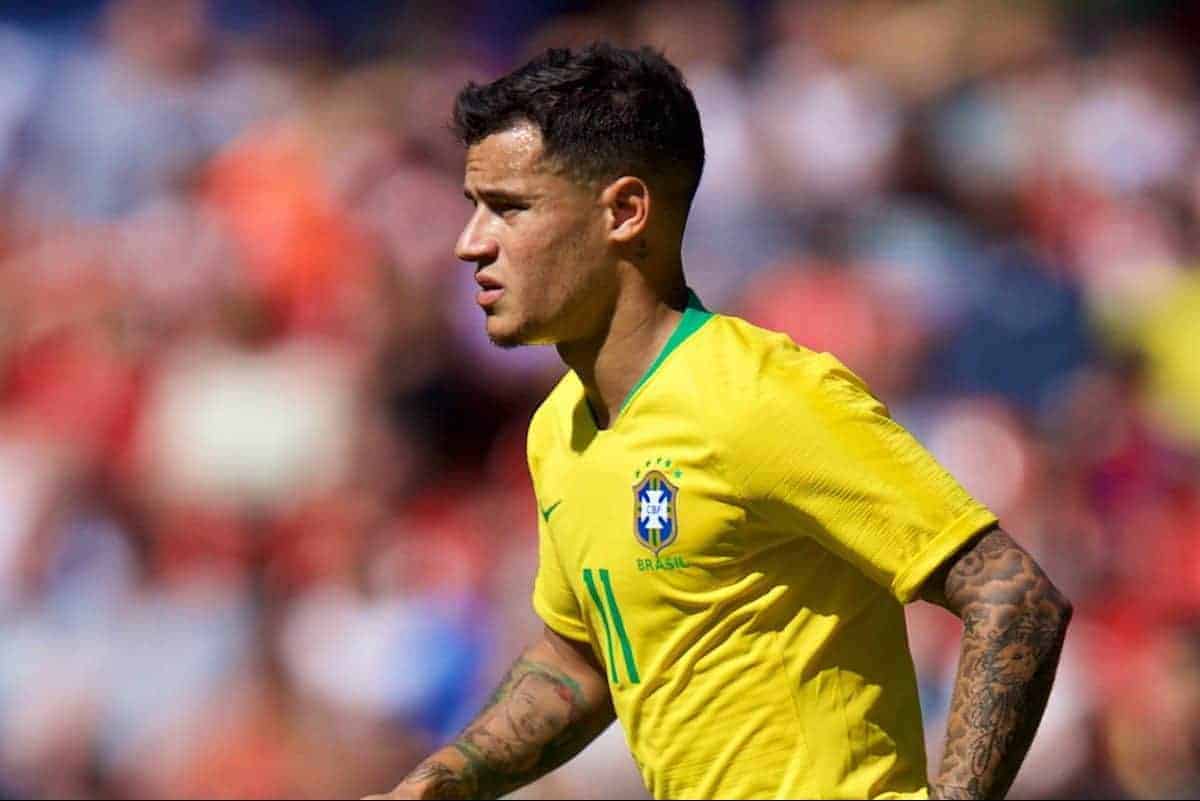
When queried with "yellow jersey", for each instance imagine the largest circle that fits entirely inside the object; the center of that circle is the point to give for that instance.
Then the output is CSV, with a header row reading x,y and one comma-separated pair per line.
x,y
736,547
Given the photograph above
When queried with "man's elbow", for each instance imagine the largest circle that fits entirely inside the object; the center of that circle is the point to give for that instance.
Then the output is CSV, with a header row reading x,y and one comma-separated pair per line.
x,y
1066,610
1060,610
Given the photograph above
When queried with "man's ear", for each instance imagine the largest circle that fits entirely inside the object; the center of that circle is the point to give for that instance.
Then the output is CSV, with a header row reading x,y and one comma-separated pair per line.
x,y
627,200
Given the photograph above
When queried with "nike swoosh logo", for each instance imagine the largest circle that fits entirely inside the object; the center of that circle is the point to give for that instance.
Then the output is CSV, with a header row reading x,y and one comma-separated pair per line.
x,y
549,510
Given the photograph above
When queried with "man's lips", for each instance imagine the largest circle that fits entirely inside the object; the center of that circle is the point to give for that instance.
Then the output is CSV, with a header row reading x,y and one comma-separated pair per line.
x,y
487,297
490,290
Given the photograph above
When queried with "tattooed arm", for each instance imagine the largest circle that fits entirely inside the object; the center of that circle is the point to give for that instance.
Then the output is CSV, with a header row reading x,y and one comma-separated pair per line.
x,y
552,703
1014,622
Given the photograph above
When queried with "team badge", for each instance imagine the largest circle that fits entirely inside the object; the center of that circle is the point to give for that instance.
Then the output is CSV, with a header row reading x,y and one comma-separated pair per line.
x,y
654,521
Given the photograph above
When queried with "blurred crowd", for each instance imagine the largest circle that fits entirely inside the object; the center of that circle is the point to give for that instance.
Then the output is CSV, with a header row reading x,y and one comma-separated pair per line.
x,y
266,528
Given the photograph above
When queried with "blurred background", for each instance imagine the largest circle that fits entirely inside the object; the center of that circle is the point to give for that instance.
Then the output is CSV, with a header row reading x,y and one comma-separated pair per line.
x,y
265,524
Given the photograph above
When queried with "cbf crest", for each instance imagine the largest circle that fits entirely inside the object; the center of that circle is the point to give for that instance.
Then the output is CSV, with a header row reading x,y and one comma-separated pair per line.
x,y
654,517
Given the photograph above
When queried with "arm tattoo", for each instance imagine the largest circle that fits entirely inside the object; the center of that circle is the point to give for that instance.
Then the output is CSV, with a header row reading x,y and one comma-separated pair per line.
x,y
1014,622
441,780
537,719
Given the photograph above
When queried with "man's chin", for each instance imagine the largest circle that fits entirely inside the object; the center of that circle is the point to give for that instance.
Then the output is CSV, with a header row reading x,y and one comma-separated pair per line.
x,y
513,337
505,343
507,337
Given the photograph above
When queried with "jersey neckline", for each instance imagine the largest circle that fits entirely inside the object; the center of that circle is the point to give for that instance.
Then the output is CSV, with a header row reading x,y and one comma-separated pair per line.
x,y
694,316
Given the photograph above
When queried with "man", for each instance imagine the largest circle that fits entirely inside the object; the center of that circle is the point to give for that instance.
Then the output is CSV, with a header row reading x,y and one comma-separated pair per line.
x,y
729,523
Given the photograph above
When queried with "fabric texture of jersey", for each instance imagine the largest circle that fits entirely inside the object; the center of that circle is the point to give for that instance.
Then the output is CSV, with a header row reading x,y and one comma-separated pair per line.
x,y
737,547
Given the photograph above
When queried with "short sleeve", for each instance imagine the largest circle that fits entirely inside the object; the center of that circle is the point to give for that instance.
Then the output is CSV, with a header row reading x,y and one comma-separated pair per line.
x,y
833,465
553,599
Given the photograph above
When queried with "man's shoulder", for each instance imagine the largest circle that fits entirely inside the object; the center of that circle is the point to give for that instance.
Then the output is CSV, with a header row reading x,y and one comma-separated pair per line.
x,y
749,361
761,383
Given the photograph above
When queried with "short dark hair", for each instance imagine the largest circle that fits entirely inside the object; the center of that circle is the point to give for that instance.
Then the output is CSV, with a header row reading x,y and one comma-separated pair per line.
x,y
602,112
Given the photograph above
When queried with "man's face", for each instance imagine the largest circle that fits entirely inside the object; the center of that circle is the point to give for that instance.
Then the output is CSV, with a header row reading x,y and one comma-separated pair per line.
x,y
537,239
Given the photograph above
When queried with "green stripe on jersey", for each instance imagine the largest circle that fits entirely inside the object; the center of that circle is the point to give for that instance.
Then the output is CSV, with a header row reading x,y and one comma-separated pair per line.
x,y
626,647
591,585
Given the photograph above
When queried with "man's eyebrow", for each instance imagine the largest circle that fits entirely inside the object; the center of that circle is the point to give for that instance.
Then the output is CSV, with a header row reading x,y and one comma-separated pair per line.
x,y
494,195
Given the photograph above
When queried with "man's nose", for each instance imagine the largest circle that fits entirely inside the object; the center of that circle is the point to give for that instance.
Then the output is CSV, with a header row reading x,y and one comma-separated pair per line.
x,y
474,244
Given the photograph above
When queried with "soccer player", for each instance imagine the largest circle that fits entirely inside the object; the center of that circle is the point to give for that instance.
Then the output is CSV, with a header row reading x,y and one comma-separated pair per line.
x,y
730,524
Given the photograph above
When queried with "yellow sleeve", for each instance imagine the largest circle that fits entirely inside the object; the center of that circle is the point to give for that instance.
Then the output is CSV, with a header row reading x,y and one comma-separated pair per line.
x,y
553,599
833,465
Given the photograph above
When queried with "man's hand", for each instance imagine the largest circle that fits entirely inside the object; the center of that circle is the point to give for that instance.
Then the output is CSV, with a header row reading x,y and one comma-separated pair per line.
x,y
552,703
1014,623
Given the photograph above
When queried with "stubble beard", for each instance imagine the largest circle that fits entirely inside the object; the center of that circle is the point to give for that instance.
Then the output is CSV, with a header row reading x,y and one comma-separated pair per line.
x,y
521,335
543,329
526,330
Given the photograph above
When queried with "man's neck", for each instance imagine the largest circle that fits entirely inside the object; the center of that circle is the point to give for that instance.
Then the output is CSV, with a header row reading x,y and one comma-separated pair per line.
x,y
610,365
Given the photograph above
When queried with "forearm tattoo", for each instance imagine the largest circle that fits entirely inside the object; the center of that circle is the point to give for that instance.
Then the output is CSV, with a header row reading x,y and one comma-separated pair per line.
x,y
440,781
535,720
1014,622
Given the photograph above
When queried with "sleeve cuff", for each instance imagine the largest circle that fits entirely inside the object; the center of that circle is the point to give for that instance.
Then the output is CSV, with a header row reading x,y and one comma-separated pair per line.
x,y
908,582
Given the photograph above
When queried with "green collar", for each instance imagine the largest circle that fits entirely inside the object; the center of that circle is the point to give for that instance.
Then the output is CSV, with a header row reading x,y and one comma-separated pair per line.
x,y
694,316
